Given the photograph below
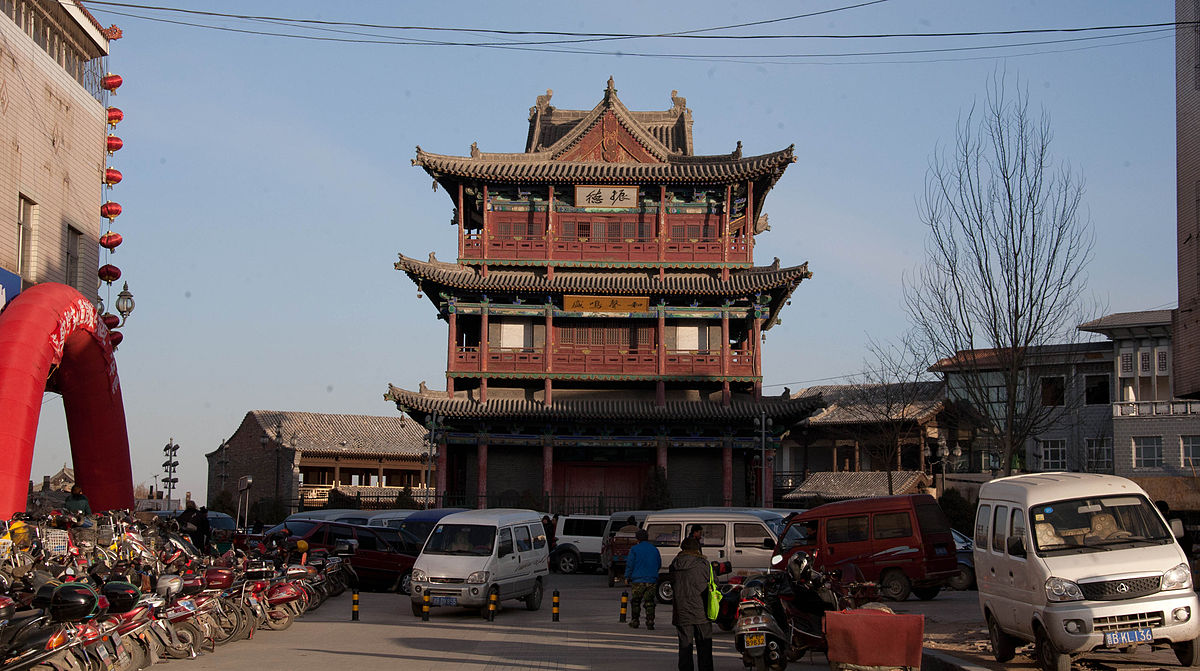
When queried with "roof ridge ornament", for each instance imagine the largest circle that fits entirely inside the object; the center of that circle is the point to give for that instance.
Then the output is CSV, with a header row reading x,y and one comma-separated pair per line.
x,y
610,91
737,152
474,150
678,104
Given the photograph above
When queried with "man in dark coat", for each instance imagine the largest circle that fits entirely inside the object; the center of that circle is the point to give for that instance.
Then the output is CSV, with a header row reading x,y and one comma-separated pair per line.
x,y
689,578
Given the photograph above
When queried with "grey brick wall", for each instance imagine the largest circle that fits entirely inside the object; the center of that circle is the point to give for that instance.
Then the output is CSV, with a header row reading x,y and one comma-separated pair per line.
x,y
1187,131
1169,427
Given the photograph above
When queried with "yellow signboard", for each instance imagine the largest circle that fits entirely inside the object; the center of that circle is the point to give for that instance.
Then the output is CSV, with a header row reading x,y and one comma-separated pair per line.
x,y
606,196
606,303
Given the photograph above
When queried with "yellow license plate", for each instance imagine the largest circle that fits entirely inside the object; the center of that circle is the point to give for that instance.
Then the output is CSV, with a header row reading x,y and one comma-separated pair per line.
x,y
756,640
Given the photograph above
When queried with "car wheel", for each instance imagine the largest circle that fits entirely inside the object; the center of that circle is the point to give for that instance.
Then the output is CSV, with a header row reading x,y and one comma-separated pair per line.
x,y
963,580
665,592
567,563
927,593
1048,656
534,600
404,586
1004,647
1186,651
894,585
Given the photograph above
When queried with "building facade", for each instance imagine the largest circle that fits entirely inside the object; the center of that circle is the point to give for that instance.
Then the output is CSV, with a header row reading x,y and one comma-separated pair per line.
x,y
53,125
295,459
1187,169
605,317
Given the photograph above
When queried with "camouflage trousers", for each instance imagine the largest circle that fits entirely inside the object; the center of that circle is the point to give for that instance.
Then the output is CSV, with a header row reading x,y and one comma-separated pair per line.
x,y
642,592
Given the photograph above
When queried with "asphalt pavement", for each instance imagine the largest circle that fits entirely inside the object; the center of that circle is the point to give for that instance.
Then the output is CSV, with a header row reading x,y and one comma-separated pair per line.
x,y
387,636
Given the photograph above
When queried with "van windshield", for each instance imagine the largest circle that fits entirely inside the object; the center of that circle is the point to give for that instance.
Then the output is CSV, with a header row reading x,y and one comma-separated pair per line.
x,y
473,540
1083,525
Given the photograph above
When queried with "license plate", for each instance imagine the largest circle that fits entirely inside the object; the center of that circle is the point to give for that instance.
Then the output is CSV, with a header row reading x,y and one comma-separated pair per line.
x,y
756,640
1119,638
444,601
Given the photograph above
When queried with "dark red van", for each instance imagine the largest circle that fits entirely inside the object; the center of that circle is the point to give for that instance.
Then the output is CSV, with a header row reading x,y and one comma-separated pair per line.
x,y
902,542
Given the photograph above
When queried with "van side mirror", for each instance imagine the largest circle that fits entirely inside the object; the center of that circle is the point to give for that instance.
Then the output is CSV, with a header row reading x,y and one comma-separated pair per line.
x,y
1176,527
506,548
1016,546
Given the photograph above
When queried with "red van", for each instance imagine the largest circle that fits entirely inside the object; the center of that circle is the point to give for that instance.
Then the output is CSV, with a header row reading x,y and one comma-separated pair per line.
x,y
902,542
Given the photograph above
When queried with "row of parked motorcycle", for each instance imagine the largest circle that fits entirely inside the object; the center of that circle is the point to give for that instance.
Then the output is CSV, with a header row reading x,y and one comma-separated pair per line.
x,y
120,592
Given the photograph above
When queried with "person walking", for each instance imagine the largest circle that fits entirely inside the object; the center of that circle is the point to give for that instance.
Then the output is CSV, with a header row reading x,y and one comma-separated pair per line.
x,y
203,529
689,578
76,502
641,573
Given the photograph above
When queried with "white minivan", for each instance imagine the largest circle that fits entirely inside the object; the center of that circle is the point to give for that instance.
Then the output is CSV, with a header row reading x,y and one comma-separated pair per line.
x,y
1077,562
744,537
469,555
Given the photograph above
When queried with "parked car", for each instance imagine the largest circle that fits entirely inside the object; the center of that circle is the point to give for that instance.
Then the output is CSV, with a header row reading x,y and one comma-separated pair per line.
x,y
1076,562
389,518
579,541
473,554
422,522
744,539
378,563
965,551
347,515
902,542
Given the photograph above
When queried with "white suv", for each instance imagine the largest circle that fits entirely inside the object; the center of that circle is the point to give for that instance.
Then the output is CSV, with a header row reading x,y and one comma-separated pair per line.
x,y
579,538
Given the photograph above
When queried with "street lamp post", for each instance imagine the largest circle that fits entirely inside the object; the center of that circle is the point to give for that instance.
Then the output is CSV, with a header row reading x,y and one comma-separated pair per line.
x,y
171,450
943,454
763,424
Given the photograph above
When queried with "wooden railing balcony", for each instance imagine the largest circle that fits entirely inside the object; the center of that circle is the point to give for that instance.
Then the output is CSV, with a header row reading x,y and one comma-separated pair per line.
x,y
673,250
601,360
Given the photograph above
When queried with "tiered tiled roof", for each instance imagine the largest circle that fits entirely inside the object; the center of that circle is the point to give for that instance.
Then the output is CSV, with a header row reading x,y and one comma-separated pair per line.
x,y
601,409
548,125
319,433
746,281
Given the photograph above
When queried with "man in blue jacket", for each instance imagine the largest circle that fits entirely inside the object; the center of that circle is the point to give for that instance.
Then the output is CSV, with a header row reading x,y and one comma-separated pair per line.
x,y
641,571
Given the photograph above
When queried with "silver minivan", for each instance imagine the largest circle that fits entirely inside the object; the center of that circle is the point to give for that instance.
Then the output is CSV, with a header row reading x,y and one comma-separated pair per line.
x,y
1077,562
473,554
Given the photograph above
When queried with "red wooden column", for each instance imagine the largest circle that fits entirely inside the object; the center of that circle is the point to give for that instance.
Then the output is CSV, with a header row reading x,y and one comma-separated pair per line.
x,y
750,224
727,471
551,232
758,357
661,387
548,354
483,352
662,453
451,351
484,235
661,224
441,473
461,228
482,490
726,355
547,466
725,232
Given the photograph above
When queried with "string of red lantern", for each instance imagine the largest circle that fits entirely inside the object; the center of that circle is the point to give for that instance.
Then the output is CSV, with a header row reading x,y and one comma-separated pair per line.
x,y
110,210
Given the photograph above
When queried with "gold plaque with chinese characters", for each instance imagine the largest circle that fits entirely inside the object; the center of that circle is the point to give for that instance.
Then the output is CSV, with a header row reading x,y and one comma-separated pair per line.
x,y
606,303
606,196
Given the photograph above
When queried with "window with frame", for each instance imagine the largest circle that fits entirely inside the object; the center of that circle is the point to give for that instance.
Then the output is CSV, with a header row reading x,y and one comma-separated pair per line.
x,y
523,538
74,249
1054,455
1162,362
893,525
1054,391
1190,446
664,535
1147,452
25,212
1145,362
1096,390
999,527
982,517
1127,363
846,529
1017,530
1099,455
749,535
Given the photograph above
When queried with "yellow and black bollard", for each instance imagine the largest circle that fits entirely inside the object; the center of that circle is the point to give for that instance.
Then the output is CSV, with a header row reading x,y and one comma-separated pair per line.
x,y
354,608
493,606
624,605
425,607
554,609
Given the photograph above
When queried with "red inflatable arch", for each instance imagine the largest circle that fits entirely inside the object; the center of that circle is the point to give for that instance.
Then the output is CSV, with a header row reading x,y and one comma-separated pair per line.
x,y
51,339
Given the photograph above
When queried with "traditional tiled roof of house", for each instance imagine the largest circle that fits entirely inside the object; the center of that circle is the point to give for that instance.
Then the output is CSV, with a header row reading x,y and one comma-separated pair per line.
x,y
672,129
857,484
373,491
868,403
747,281
1037,355
427,401
1129,322
320,433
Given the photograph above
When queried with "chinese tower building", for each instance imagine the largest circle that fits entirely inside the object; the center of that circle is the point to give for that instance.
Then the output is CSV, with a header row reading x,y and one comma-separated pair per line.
x,y
605,318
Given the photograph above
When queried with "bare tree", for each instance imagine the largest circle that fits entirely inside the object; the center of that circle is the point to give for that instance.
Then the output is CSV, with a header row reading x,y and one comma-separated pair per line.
x,y
1005,262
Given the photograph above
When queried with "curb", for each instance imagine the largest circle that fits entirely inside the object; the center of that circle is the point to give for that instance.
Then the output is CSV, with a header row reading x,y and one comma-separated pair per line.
x,y
936,660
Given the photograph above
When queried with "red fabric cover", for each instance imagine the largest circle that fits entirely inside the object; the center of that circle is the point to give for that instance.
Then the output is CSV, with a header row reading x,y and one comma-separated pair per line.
x,y
53,324
868,637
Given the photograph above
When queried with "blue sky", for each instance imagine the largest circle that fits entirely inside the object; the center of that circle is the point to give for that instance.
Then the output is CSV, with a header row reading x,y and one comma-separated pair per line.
x,y
268,185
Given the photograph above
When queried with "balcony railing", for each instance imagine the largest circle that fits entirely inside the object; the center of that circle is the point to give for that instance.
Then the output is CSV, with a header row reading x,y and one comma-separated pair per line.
x,y
584,249
1155,408
601,360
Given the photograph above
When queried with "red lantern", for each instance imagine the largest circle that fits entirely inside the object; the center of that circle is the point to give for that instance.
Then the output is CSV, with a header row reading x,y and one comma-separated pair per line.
x,y
109,273
110,210
111,241
111,82
110,320
115,338
115,116
112,176
113,143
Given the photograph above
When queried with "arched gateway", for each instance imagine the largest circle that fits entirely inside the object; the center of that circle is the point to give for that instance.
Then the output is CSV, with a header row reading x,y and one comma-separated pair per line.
x,y
50,339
